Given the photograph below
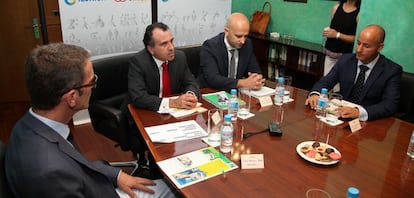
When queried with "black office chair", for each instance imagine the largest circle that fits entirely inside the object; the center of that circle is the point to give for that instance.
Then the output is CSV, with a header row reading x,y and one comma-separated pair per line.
x,y
406,104
4,188
105,107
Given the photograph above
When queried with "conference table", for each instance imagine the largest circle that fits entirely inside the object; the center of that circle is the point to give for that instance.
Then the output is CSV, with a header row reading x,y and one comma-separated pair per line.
x,y
373,159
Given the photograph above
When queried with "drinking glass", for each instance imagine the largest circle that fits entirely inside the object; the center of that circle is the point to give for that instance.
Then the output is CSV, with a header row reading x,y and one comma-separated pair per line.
x,y
279,111
336,99
288,80
214,121
317,193
244,107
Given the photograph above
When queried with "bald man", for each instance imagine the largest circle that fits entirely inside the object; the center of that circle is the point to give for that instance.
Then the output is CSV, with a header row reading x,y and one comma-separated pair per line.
x,y
216,54
381,90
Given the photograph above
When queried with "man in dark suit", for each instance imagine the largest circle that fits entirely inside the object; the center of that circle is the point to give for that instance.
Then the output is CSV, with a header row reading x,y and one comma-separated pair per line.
x,y
145,76
381,89
42,160
216,57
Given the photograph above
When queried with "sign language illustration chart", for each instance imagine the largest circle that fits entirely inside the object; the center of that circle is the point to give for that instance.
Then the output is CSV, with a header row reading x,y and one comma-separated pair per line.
x,y
194,21
105,27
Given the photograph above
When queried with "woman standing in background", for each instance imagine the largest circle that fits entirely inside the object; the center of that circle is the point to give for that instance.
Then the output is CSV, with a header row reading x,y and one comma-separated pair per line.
x,y
341,32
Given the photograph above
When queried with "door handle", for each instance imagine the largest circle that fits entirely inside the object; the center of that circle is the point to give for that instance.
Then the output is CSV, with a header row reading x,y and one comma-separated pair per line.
x,y
35,27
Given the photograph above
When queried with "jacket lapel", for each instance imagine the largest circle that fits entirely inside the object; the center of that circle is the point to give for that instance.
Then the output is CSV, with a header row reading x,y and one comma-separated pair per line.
x,y
373,76
53,137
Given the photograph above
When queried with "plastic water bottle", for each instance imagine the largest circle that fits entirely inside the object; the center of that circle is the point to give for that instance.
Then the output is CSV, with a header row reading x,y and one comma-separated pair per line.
x,y
226,134
324,37
352,192
279,91
410,150
233,104
322,103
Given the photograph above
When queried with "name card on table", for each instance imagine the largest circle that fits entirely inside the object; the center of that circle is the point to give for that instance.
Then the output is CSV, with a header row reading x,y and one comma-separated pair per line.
x,y
265,101
252,161
355,125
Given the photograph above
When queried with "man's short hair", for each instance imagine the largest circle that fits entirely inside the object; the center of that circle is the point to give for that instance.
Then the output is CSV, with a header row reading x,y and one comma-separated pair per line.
x,y
52,70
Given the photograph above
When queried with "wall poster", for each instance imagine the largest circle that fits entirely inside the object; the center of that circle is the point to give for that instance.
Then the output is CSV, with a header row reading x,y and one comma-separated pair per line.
x,y
105,26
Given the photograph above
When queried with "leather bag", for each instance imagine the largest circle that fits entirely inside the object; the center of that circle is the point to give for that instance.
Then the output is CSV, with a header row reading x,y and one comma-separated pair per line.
x,y
260,19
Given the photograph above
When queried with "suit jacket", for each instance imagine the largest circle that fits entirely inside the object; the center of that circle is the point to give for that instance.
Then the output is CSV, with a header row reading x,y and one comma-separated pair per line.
x,y
41,163
381,91
214,63
144,79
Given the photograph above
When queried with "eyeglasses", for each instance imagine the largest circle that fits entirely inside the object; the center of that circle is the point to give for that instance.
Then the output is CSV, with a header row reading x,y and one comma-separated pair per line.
x,y
91,84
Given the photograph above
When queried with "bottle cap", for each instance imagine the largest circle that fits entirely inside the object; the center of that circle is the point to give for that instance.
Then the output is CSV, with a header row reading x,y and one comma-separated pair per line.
x,y
233,91
353,192
324,90
227,118
281,79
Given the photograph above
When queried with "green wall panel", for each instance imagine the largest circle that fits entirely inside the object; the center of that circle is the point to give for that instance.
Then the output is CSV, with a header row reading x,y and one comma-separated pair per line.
x,y
306,21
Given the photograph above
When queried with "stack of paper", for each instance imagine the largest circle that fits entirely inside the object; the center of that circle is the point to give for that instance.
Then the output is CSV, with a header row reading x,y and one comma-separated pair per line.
x,y
174,132
264,91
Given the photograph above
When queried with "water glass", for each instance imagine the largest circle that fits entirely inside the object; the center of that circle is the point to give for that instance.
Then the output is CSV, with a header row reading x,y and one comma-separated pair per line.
x,y
244,107
317,193
214,121
279,111
336,99
288,80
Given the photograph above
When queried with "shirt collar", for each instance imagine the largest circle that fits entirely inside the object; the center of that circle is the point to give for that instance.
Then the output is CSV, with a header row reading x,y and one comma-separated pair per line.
x,y
158,62
228,46
371,64
62,129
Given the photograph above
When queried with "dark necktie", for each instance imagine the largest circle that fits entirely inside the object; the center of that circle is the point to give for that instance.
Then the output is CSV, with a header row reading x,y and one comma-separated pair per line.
x,y
72,141
232,72
359,84
166,85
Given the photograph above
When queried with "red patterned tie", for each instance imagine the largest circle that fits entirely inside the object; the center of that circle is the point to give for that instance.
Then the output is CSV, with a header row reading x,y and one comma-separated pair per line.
x,y
166,85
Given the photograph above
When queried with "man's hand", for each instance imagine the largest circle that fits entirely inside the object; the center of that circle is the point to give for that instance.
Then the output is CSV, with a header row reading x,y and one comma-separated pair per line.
x,y
126,183
312,101
185,101
254,81
348,112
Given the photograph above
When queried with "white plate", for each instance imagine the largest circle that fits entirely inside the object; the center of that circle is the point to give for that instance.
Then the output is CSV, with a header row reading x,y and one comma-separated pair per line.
x,y
309,159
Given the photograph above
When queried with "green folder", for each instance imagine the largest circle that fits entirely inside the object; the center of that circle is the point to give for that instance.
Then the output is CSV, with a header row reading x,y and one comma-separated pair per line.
x,y
213,98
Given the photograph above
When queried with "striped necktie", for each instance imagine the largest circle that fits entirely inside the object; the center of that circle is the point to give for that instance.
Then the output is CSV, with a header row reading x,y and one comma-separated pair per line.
x,y
232,71
359,84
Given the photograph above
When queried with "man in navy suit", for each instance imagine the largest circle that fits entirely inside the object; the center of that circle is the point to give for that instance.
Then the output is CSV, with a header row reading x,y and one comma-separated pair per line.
x,y
380,92
41,159
216,53
145,81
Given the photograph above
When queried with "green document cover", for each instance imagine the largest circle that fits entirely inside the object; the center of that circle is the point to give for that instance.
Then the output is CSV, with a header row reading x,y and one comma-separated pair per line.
x,y
219,99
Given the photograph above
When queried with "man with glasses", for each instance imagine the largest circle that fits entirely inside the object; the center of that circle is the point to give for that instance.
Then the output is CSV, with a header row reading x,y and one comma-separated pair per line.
x,y
42,160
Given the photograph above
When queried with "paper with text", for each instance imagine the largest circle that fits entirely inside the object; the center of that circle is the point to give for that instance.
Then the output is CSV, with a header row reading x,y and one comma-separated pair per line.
x,y
174,132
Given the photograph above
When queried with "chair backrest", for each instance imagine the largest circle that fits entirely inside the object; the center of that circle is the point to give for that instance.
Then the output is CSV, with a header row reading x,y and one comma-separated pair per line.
x,y
406,103
4,188
112,76
192,53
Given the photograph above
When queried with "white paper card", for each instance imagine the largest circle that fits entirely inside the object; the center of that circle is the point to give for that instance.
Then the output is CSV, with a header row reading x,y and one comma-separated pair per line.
x,y
252,161
355,125
265,101
216,118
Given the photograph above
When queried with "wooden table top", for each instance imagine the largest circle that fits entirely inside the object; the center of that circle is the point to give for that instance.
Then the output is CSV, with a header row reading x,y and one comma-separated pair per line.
x,y
373,160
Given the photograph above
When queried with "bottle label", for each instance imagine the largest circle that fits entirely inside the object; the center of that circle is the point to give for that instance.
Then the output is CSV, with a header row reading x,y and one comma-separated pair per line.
x,y
227,136
322,103
234,105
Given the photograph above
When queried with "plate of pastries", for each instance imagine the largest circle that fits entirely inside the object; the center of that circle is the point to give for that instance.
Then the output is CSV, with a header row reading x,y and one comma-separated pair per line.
x,y
318,152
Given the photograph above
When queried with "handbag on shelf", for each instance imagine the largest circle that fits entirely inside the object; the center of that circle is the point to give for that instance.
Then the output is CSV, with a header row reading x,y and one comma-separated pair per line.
x,y
260,19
